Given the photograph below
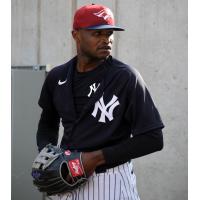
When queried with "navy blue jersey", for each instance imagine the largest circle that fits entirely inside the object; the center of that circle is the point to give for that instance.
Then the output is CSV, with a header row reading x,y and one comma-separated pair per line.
x,y
84,86
119,107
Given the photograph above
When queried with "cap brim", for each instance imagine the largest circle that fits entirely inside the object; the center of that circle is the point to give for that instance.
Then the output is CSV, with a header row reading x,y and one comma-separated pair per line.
x,y
100,27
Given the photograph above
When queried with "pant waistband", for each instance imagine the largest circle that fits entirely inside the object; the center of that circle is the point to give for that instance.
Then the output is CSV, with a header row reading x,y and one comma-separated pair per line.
x,y
125,166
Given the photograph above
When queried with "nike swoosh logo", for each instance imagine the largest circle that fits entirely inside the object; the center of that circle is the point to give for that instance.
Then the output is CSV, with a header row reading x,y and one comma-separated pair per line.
x,y
62,82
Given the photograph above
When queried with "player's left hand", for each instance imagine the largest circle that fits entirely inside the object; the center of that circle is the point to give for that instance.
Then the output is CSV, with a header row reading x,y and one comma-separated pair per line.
x,y
56,170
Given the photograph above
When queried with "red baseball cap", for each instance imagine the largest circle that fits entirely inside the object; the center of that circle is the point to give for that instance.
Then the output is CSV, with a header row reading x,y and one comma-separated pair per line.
x,y
94,17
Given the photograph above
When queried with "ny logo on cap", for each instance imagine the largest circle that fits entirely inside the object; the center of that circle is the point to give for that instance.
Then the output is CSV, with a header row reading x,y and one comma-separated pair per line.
x,y
105,14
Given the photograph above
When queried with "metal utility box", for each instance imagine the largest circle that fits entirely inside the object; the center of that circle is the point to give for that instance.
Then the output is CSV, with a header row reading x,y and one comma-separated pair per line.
x,y
26,86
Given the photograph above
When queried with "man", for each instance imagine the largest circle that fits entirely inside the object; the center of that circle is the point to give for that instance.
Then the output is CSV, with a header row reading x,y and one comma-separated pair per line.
x,y
106,110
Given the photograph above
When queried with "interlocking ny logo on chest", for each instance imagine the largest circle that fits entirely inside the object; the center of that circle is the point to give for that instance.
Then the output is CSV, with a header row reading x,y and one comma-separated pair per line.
x,y
106,110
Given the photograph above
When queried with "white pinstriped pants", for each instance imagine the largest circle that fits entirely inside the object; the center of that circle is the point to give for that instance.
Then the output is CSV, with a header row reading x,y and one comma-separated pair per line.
x,y
118,183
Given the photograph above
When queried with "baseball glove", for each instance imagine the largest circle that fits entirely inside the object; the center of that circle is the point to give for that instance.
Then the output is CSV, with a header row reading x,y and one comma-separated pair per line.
x,y
55,171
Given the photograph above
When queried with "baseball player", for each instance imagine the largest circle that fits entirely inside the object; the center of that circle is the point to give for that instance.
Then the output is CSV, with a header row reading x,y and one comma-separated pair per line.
x,y
105,108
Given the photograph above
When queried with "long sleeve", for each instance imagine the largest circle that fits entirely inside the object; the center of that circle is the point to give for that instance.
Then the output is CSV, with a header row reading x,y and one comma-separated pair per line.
x,y
146,126
137,146
48,127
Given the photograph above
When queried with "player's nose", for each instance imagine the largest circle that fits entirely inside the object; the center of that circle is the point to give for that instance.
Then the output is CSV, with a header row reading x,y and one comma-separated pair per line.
x,y
106,40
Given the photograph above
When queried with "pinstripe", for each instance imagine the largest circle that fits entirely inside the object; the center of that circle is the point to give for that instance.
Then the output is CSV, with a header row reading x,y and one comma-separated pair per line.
x,y
115,187
98,187
118,168
117,183
123,195
83,193
120,190
79,193
134,186
131,189
88,190
128,180
72,196
109,186
131,179
101,187
75,193
124,183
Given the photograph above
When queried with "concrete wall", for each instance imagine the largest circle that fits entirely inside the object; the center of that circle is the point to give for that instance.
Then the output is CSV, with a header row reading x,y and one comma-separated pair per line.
x,y
155,42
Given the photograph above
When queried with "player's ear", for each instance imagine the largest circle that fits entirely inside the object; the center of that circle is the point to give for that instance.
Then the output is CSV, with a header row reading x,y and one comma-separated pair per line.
x,y
76,35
